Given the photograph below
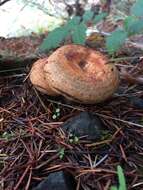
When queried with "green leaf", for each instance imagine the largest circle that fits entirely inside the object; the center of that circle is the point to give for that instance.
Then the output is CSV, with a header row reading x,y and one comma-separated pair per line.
x,y
121,178
57,110
87,16
115,40
99,17
72,23
53,39
136,27
54,116
61,153
128,22
133,25
137,8
79,34
114,188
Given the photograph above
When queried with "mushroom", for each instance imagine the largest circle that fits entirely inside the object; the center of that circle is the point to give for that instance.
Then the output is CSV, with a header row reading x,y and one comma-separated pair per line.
x,y
78,73
37,77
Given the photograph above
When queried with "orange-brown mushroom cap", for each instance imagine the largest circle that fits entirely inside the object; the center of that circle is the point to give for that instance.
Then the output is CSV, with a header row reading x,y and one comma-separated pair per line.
x,y
81,74
37,77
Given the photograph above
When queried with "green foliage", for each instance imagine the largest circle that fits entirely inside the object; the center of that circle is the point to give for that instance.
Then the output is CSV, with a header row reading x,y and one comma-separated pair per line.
x,y
79,34
53,39
114,188
129,22
88,15
73,139
137,8
61,153
56,113
121,179
70,25
7,136
136,27
75,28
132,25
115,41
99,17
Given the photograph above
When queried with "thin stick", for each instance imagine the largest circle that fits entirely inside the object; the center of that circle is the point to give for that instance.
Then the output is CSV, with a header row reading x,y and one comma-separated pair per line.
x,y
42,103
124,58
123,121
21,178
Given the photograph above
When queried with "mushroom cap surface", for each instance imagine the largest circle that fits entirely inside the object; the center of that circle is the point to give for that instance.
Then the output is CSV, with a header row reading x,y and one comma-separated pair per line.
x,y
37,77
81,74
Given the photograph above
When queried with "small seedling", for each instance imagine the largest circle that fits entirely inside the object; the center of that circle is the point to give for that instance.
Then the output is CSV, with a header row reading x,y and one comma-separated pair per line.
x,y
61,153
73,139
121,179
56,114
7,135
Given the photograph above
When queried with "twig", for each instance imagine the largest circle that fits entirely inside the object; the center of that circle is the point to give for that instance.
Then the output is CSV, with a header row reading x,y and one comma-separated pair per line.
x,y
29,180
117,119
42,103
3,2
124,58
11,70
21,178
137,184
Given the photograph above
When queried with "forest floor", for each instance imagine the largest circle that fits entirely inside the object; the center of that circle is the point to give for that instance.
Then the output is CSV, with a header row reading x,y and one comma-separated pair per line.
x,y
32,144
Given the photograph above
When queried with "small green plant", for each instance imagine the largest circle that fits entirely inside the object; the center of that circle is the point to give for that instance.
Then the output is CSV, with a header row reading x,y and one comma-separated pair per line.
x,y
7,136
73,139
56,113
132,25
75,29
121,179
61,153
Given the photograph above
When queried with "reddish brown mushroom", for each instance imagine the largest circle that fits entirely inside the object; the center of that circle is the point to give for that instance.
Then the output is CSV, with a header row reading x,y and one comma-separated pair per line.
x,y
80,74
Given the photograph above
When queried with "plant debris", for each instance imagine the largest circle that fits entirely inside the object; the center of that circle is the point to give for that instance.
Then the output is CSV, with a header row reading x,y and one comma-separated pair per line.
x,y
33,144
